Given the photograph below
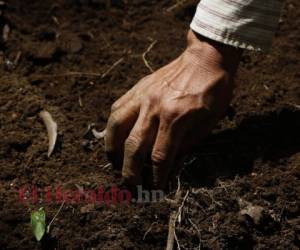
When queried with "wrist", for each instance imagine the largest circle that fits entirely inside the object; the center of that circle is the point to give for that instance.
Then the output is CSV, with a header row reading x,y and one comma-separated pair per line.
x,y
213,53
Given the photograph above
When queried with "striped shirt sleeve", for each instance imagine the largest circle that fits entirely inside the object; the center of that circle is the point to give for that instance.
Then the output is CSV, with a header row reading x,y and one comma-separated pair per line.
x,y
248,24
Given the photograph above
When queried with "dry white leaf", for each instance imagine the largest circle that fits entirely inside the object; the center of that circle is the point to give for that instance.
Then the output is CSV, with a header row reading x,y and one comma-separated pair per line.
x,y
51,127
99,135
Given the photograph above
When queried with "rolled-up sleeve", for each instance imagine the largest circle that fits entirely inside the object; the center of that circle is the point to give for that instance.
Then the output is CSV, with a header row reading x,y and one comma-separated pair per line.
x,y
248,24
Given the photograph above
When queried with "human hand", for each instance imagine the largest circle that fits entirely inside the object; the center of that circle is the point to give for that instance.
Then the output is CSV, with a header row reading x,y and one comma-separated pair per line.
x,y
170,111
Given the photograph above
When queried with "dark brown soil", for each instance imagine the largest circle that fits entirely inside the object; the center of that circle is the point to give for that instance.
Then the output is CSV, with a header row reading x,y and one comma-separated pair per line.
x,y
253,155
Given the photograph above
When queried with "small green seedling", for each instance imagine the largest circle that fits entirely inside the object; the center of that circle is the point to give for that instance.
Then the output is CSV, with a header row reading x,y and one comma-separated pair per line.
x,y
38,223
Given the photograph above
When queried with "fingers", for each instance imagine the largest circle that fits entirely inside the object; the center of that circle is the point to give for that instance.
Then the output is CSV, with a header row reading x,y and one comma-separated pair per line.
x,y
123,100
137,145
142,85
164,151
118,128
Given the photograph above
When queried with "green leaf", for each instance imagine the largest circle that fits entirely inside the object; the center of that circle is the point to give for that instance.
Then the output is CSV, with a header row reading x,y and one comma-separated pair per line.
x,y
38,223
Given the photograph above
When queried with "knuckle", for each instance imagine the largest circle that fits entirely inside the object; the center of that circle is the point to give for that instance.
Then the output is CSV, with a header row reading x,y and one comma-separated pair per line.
x,y
132,145
150,104
113,121
170,113
153,98
158,157
114,106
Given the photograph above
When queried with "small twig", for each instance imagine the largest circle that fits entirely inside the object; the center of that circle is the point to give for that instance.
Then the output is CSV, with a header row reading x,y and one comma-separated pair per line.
x,y
266,87
55,20
175,215
106,166
79,74
149,229
80,101
171,235
57,213
17,58
178,217
112,67
176,239
91,35
146,52
170,201
198,232
181,206
209,193
176,5
178,192
71,73
295,105
5,34
172,221
224,186
105,40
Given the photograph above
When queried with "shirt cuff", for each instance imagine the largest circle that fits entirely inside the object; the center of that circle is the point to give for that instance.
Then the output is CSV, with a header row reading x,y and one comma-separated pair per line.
x,y
247,24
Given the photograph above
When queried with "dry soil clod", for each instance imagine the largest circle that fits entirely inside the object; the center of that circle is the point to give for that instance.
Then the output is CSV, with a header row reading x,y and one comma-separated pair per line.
x,y
254,211
51,127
